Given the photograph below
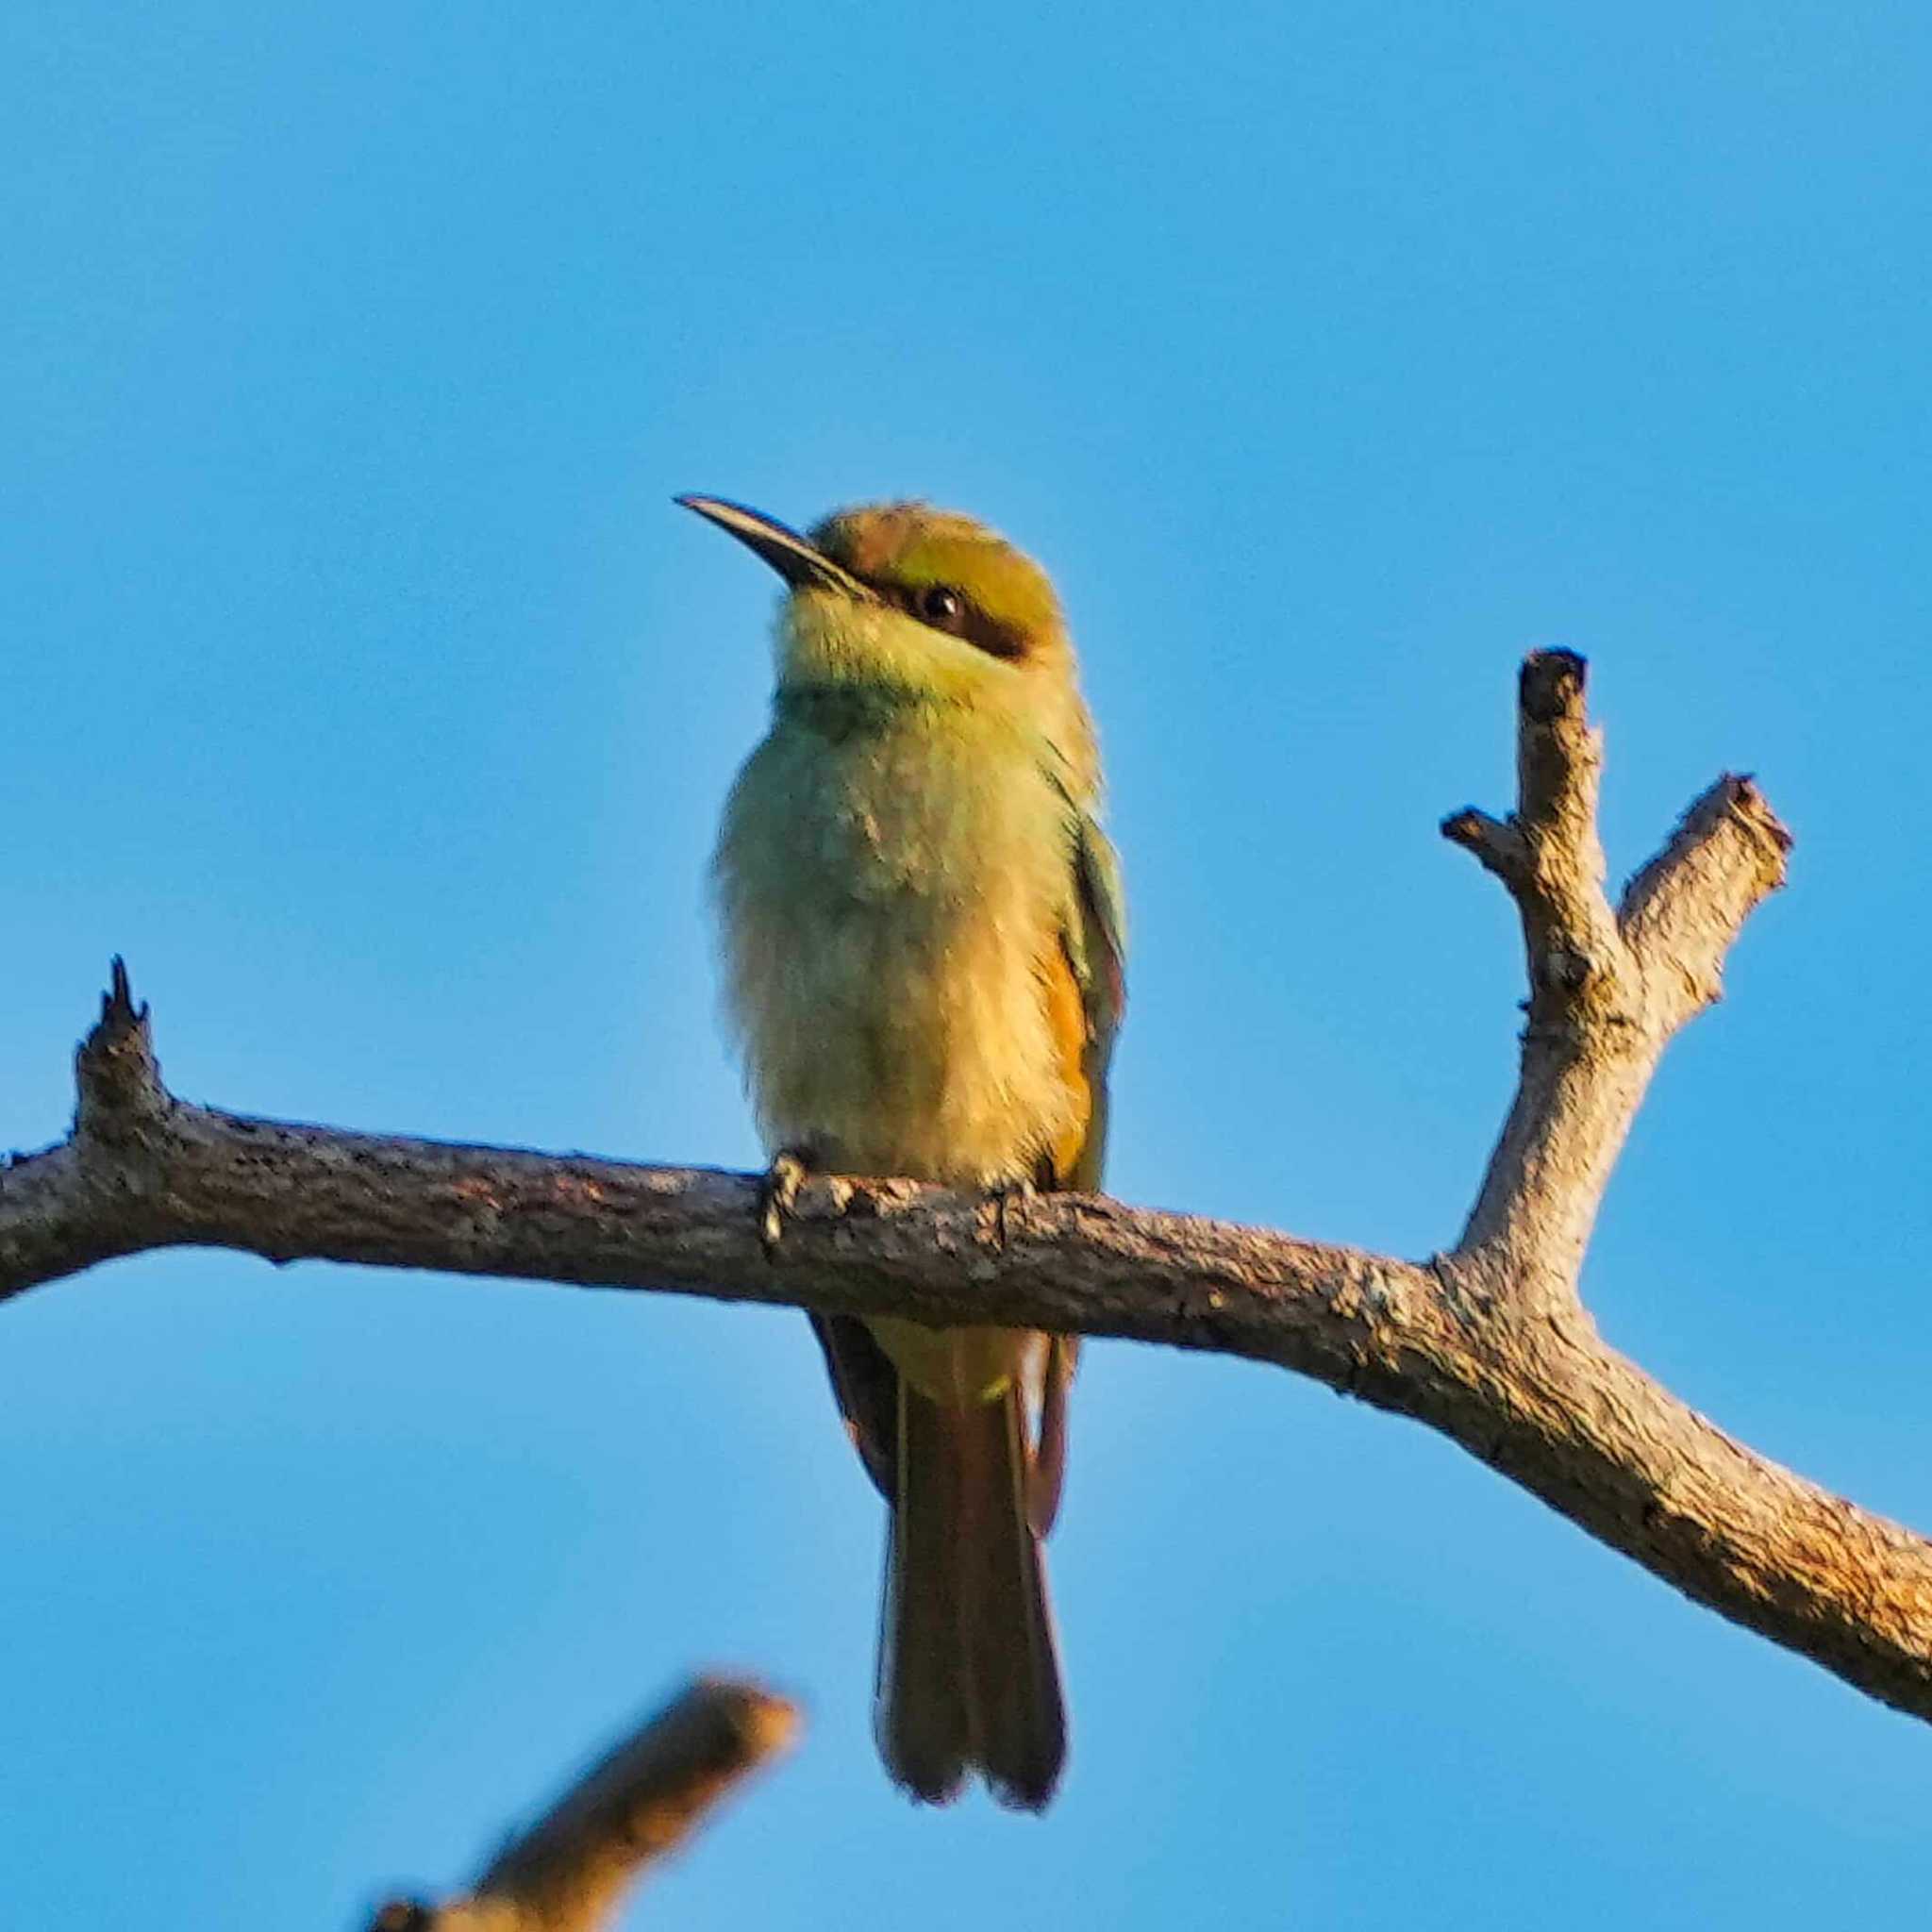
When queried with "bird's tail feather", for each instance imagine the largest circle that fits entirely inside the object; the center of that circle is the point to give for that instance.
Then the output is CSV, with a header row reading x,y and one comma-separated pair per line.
x,y
969,1677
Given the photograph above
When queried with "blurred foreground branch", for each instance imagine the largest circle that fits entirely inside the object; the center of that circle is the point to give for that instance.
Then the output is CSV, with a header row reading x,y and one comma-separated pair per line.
x,y
1489,1342
636,1804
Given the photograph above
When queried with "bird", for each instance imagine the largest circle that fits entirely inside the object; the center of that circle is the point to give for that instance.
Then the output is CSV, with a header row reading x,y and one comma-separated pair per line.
x,y
924,942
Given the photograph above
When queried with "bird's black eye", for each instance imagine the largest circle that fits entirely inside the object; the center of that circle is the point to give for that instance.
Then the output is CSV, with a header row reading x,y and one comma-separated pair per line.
x,y
943,607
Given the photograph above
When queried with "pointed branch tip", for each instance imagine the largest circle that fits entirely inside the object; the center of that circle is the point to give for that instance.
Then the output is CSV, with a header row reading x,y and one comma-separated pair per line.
x,y
1552,686
119,1081
1498,844
118,1009
403,1915
1741,792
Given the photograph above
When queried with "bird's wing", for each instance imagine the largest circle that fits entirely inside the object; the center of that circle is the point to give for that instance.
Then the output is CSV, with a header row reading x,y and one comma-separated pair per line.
x,y
1095,940
1087,996
865,1385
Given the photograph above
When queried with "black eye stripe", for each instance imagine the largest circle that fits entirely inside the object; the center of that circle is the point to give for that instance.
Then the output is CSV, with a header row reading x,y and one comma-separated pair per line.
x,y
973,626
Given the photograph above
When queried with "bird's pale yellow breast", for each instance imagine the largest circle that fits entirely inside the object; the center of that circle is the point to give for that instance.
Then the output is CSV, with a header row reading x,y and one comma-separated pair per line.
x,y
888,899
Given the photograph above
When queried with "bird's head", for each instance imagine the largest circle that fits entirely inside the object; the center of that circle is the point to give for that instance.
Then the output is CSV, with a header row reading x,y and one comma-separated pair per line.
x,y
905,598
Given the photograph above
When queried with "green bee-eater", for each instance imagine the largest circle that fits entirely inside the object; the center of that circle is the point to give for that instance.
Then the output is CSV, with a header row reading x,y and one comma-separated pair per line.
x,y
922,937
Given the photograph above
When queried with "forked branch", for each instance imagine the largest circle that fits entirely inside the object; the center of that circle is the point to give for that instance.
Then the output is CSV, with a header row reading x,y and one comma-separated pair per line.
x,y
1487,1343
1608,989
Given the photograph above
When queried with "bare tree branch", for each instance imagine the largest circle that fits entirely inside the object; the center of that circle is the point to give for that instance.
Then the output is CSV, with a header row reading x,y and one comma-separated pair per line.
x,y
634,1807
1488,1343
1607,988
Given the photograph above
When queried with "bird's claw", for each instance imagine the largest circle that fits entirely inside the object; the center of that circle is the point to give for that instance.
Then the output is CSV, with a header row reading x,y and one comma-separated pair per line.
x,y
778,1196
1004,1198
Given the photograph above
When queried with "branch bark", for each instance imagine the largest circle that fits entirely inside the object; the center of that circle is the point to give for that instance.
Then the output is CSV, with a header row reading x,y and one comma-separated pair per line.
x,y
1489,1342
636,1804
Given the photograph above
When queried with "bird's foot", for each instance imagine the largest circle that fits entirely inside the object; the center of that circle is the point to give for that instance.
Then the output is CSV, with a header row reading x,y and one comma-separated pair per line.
x,y
789,1169
1004,1197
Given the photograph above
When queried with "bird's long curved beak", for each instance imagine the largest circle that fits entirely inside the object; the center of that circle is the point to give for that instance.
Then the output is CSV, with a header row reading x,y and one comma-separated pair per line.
x,y
792,555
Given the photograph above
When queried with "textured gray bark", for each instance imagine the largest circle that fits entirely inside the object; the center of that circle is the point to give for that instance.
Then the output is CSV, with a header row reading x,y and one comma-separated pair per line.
x,y
568,1872
1489,1342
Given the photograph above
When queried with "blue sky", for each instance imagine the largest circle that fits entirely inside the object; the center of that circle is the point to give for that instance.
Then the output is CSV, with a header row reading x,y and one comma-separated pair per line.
x,y
362,685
